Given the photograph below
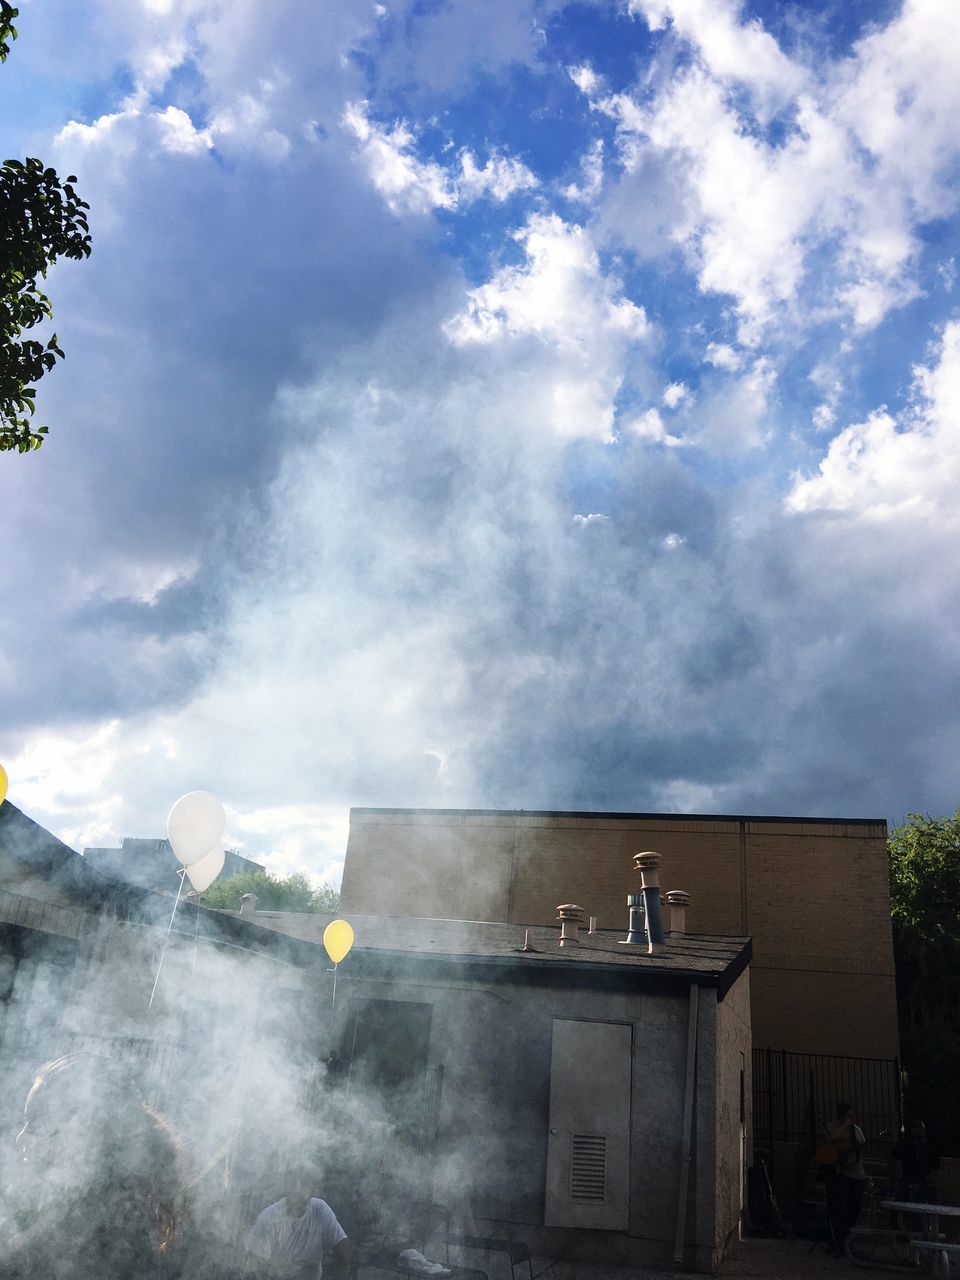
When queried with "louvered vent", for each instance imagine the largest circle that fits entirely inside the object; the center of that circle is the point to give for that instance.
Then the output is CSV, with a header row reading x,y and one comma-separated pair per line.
x,y
588,1168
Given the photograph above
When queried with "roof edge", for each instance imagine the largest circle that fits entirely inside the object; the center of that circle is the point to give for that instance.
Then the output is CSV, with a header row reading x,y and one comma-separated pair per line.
x,y
551,970
600,813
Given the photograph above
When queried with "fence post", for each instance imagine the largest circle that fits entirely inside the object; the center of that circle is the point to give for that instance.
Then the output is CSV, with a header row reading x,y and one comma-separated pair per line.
x,y
783,1085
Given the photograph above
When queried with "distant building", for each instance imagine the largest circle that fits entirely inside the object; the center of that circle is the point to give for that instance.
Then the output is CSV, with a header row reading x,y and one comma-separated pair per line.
x,y
813,893
152,864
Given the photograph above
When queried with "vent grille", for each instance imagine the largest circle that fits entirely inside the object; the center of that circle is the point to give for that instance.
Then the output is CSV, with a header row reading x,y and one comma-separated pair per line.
x,y
588,1168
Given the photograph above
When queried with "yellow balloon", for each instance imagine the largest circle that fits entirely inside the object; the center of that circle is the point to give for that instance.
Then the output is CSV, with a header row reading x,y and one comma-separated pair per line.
x,y
3,783
337,939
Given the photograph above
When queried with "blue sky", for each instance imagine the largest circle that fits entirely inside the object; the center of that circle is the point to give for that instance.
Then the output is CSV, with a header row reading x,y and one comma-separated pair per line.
x,y
518,405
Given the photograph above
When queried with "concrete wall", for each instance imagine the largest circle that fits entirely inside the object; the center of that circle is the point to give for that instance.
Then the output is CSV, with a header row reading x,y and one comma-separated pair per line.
x,y
494,1045
813,895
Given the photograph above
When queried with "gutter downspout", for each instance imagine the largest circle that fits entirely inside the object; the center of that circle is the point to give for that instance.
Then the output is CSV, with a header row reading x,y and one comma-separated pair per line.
x,y
686,1142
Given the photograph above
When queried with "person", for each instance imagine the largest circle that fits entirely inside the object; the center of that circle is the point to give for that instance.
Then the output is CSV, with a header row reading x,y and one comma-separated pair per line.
x,y
293,1234
846,1185
97,1176
917,1160
97,1189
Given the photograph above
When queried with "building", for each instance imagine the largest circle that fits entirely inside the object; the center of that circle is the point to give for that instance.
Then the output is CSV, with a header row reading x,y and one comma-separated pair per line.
x,y
203,1034
811,893
588,1098
152,864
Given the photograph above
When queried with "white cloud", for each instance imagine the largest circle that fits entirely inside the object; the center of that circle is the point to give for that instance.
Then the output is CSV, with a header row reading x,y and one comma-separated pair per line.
x,y
885,470
586,79
591,183
409,184
406,183
824,416
722,356
560,294
500,178
593,518
649,426
560,297
741,52
124,131
179,134
677,396
866,160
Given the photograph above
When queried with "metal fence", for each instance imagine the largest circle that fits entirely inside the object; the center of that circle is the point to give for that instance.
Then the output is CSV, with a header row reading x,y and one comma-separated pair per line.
x,y
795,1095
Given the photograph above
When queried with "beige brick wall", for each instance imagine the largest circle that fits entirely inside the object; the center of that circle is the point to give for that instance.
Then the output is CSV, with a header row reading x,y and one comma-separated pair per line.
x,y
813,896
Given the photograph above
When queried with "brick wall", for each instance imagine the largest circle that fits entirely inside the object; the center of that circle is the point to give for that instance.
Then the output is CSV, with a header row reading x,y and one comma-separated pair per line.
x,y
813,895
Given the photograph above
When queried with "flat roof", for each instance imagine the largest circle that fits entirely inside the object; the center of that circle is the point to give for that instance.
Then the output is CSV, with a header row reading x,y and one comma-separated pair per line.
x,y
620,816
492,950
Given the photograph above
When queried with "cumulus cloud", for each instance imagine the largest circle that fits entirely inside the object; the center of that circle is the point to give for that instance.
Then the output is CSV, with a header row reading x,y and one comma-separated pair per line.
x,y
840,176
405,182
591,181
171,129
677,396
649,426
723,356
560,297
409,184
884,469
347,502
731,49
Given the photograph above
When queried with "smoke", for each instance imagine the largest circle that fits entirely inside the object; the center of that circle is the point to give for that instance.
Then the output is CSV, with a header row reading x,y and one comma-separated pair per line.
x,y
159,1133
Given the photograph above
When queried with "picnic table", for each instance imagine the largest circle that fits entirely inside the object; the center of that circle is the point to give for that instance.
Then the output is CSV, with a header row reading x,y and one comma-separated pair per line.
x,y
909,1249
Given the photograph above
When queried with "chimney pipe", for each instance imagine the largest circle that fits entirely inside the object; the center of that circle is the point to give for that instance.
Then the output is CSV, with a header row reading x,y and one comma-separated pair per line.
x,y
637,930
648,864
571,918
248,904
592,925
676,900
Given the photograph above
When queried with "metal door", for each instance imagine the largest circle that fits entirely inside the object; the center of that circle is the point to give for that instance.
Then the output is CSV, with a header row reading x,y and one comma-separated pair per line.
x,y
588,1150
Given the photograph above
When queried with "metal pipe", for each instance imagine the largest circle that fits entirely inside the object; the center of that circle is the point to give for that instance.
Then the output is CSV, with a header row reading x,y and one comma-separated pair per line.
x,y
686,1141
636,933
647,864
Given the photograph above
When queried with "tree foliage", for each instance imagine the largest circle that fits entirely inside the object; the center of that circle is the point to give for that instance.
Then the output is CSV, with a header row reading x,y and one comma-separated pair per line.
x,y
292,893
925,908
41,220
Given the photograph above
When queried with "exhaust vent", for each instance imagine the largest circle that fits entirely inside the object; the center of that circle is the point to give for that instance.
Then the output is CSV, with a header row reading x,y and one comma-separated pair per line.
x,y
588,1168
648,864
571,918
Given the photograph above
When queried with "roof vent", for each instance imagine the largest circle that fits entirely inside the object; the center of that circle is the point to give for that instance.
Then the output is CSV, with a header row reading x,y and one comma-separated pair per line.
x,y
648,864
637,930
571,918
676,900
248,904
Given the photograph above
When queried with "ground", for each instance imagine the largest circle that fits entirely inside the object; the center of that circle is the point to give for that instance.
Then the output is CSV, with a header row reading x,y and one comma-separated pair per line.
x,y
769,1259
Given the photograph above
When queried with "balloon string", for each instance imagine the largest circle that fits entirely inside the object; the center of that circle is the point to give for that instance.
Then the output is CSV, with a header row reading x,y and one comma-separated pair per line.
x,y
182,873
196,932
334,1005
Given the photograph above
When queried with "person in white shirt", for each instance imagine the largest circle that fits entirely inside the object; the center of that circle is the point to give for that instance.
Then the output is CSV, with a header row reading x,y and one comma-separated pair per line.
x,y
293,1234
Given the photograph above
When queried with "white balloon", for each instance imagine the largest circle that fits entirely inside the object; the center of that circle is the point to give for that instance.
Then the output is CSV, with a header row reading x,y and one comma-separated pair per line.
x,y
203,873
194,826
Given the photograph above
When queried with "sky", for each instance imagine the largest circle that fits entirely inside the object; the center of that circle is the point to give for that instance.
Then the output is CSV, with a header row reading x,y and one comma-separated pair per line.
x,y
519,405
